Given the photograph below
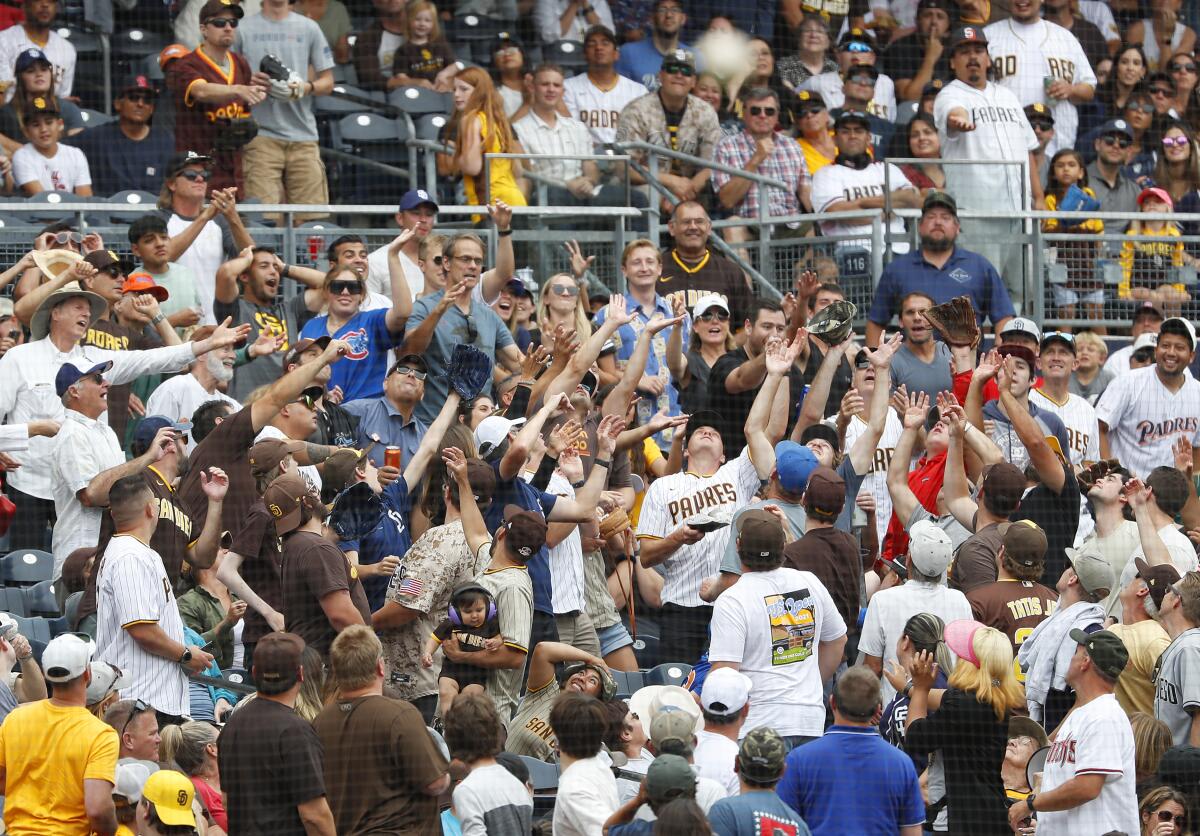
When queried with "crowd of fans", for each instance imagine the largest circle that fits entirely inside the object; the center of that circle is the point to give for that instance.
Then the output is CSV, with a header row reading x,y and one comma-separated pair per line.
x,y
390,546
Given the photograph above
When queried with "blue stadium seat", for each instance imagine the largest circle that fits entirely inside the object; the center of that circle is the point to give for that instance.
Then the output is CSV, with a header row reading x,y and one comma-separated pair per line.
x,y
137,201
416,101
12,601
71,607
668,673
40,600
628,682
35,629
543,776
26,567
429,126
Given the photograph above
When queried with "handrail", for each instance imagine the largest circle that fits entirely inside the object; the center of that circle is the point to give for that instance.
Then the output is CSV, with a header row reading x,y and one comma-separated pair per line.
x,y
313,208
638,145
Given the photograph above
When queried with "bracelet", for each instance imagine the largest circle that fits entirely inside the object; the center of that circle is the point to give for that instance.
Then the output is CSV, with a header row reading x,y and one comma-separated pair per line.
x,y
907,692
283,273
604,463
500,233
579,484
157,318
1029,799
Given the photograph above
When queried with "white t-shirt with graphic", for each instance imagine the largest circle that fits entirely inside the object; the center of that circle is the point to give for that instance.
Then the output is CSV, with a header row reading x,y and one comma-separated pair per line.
x,y
64,171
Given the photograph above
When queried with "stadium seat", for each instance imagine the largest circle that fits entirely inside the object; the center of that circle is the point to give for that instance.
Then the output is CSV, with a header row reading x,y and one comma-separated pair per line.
x,y
71,607
472,27
237,676
417,101
542,775
135,43
567,54
336,106
12,601
40,600
628,681
430,125
84,42
904,114
26,567
59,625
94,118
668,673
369,136
34,629
137,201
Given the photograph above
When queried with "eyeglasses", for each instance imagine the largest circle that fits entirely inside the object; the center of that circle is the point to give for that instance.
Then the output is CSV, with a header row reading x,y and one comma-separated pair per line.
x,y
64,237
1120,140
755,110
1161,91
1167,815
714,316
679,69
669,10
469,259
1182,68
407,370
222,22
564,290
858,46
194,175
1176,141
1042,125
472,333
139,707
338,288
861,79
1141,107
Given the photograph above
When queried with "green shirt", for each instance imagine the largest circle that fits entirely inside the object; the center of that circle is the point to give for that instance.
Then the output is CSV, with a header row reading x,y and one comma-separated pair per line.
x,y
201,611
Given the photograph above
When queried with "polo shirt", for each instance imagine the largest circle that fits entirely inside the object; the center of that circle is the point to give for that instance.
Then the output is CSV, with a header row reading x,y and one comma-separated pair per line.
x,y
567,139
379,417
1119,198
823,781
965,273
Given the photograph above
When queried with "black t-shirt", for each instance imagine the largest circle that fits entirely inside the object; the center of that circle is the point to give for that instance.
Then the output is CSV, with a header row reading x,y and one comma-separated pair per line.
x,y
271,762
904,57
734,407
1058,516
313,568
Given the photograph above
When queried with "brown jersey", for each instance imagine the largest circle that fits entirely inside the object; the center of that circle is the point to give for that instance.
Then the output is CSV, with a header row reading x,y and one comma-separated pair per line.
x,y
713,273
197,123
112,336
1014,608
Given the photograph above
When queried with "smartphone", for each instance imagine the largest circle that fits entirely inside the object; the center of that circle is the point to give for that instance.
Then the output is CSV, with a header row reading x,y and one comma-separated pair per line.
x,y
210,647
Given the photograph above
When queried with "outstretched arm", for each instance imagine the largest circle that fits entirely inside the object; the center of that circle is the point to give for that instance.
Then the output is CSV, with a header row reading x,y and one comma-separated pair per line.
x,y
548,654
1049,466
414,471
401,308
812,411
904,501
779,357
473,525
957,489
863,451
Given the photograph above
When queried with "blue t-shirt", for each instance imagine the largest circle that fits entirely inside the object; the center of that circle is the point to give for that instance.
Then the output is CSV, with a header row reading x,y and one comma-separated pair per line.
x,y
391,537
361,372
641,61
852,781
753,814
965,273
518,492
119,163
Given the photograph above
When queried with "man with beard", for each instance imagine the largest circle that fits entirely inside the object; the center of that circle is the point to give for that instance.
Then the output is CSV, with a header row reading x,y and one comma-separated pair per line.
x,y
691,270
942,270
919,58
207,379
597,97
922,364
641,60
1144,412
980,120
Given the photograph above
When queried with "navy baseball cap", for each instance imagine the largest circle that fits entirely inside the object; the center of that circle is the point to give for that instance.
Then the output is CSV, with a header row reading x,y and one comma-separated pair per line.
x,y
848,116
416,197
149,428
30,57
72,372
1116,126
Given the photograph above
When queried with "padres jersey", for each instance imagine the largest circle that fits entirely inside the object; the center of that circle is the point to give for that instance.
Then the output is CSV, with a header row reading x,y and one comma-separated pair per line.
x,y
876,480
1025,54
1079,417
197,124
1014,608
1177,684
672,500
600,109
1145,419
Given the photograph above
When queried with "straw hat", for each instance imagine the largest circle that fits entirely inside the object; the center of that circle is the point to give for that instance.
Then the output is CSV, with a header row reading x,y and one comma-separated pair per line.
x,y
39,326
53,262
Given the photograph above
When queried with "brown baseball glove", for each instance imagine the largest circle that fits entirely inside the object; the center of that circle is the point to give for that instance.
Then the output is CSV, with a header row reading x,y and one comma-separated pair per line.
x,y
1093,473
956,322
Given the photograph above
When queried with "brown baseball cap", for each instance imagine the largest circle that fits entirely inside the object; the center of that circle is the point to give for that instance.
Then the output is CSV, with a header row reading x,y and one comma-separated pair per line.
x,y
301,346
759,534
1004,483
219,8
267,454
526,530
276,664
1158,578
826,491
339,468
1024,542
284,498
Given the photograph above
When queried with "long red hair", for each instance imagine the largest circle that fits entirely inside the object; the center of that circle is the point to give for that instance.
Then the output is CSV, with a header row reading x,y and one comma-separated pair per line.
x,y
484,99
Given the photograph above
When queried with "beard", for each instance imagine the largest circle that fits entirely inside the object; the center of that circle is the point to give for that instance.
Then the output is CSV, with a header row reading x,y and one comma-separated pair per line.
x,y
937,245
217,368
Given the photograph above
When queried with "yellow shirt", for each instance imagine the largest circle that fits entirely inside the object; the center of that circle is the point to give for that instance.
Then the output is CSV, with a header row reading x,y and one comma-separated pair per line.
x,y
1145,641
124,830
47,751
652,454
501,185
813,158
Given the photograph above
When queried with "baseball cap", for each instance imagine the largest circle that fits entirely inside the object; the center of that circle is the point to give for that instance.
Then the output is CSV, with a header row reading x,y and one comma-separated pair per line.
x,y
672,731
676,59
276,663
30,57
105,679
856,36
1021,352
1180,767
1061,337
701,418
759,534
170,793
301,346
42,104
1146,308
762,755
1160,194
960,638
284,498
810,97
1024,542
940,198
267,454
217,8
413,198
1116,126
931,89
669,777
794,463
1106,650
1146,340
66,657
1158,578
929,548
491,433
137,83
965,35
410,360
725,691
822,432
1019,726
526,531
183,159
847,116
709,300
504,40
600,30
1004,482
103,259
149,426
1021,325
340,467
1038,111
1180,326
131,778
171,52
73,371
944,5
648,700
144,283
826,491
1093,571
608,685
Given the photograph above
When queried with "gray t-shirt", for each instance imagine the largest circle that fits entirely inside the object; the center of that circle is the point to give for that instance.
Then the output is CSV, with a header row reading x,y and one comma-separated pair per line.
x,y
1092,391
730,564
953,528
919,376
286,316
1177,685
297,42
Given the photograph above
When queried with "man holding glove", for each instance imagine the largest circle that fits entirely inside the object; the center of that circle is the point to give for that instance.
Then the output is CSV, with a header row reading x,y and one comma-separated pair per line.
x,y
292,62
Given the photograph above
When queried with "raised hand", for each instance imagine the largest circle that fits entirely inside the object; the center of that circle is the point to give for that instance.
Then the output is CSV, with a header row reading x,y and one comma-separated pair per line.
x,y
1004,374
807,283
579,262
336,350
899,400
81,270
661,420
989,364
779,357
678,306
566,436
214,483
922,670
456,464
616,311
571,465
916,411
660,323
606,435
852,404
501,214
534,362
881,357
1182,450
146,305
400,240
1137,494
227,334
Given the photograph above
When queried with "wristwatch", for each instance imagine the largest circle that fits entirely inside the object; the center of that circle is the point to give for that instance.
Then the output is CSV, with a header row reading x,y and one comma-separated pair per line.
x,y
157,318
1029,800
186,657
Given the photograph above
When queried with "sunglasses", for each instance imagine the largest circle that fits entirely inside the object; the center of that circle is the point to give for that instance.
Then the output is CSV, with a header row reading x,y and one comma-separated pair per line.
x,y
1143,107
861,79
407,370
310,403
858,46
811,111
194,175
1119,140
96,378
338,288
564,290
714,316
1167,815
139,707
1182,68
223,22
1161,91
472,333
1042,125
755,110
679,69
1176,141
64,237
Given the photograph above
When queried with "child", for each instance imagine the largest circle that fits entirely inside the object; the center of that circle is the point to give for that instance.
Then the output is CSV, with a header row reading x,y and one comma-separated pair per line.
x,y
490,799
1145,265
425,60
1067,170
44,165
473,621
149,238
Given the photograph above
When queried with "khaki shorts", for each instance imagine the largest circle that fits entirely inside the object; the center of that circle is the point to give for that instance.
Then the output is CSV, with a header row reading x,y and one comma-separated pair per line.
x,y
277,171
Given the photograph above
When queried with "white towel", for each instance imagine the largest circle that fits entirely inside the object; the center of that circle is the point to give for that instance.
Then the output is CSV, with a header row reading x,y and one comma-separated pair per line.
x,y
1046,655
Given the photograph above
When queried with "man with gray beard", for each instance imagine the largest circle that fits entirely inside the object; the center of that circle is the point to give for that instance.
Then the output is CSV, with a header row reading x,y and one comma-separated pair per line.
x,y
207,379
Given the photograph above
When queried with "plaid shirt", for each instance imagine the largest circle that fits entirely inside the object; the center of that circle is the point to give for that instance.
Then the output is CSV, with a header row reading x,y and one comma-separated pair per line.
x,y
785,164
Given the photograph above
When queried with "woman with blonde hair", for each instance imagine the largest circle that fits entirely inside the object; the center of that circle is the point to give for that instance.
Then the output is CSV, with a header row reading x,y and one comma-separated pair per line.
x,y
970,725
484,129
192,747
1163,812
1151,739
562,302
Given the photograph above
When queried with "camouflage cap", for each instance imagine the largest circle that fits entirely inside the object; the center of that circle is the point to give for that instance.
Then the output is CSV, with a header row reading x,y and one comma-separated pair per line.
x,y
833,322
761,755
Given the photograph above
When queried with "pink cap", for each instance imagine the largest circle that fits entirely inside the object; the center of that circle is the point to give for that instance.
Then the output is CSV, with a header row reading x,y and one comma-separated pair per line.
x,y
960,638
1158,193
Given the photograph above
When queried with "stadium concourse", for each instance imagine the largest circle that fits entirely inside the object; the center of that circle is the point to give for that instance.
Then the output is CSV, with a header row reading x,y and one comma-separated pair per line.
x,y
615,476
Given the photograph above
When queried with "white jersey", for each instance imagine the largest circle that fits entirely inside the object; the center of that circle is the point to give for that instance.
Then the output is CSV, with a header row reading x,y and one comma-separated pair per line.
x,y
1095,739
58,50
1177,684
1079,417
1145,419
1100,15
600,109
875,482
566,559
180,396
672,500
833,183
829,85
1001,133
1025,54
132,588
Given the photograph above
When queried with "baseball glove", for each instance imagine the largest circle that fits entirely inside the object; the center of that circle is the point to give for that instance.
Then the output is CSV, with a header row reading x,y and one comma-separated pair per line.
x,y
356,512
1090,475
470,370
833,322
235,134
956,322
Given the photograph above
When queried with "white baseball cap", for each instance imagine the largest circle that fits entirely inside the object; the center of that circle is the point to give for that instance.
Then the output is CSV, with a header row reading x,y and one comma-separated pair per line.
x,y
491,433
8,627
929,548
66,657
711,300
1180,323
105,679
1146,340
1021,325
725,691
131,779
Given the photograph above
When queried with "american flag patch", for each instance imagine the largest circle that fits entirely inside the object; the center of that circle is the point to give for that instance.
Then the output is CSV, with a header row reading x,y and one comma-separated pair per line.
x,y
411,587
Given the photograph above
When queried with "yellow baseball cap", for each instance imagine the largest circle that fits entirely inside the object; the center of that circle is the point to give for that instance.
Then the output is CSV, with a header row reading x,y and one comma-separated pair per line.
x,y
171,794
